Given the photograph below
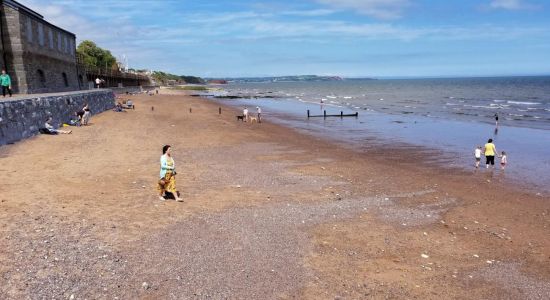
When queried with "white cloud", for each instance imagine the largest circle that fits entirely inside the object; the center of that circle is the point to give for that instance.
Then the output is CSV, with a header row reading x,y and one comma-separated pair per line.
x,y
510,4
309,13
380,9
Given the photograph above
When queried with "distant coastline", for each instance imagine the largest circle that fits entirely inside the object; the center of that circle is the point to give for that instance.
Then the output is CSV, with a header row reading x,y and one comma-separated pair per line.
x,y
290,78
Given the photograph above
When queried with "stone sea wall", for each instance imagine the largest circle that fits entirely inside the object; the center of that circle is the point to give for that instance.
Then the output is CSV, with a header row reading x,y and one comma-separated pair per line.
x,y
21,117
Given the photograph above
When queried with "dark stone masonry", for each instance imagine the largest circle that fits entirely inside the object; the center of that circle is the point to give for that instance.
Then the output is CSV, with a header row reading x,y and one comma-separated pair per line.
x,y
21,117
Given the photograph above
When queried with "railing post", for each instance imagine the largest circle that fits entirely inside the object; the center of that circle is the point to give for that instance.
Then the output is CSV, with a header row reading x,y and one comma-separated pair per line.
x,y
341,114
308,113
324,114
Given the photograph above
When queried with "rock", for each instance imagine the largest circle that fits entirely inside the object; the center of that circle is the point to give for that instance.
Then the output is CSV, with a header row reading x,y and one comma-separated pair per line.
x,y
476,256
424,255
145,285
72,297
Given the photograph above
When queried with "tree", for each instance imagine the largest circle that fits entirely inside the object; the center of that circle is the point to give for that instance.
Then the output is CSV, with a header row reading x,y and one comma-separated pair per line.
x,y
95,56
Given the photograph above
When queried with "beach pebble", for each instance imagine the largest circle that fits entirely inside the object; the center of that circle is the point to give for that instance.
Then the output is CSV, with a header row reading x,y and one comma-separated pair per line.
x,y
476,256
424,255
145,285
143,186
72,297
489,262
425,233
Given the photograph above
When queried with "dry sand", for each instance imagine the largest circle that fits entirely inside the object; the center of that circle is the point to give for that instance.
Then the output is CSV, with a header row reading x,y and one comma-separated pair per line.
x,y
269,213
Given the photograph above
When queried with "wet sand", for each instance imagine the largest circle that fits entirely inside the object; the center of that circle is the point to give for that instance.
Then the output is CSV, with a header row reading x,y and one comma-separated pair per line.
x,y
269,213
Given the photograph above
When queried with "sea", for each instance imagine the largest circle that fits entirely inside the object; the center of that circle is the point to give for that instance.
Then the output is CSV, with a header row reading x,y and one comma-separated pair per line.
x,y
450,116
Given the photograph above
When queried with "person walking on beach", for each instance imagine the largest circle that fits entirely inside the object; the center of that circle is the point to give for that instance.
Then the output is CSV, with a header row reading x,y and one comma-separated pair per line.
x,y
259,113
490,150
5,81
477,154
503,160
245,114
97,82
167,181
496,120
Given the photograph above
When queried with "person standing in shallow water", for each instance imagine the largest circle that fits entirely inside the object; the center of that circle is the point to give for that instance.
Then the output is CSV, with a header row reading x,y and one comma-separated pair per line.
x,y
167,182
490,150
496,120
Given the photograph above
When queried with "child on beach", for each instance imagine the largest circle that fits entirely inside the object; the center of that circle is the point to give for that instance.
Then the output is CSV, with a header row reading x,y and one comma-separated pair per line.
x,y
245,114
477,154
503,160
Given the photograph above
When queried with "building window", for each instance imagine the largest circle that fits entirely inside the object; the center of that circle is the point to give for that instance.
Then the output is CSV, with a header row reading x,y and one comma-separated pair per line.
x,y
66,50
65,80
72,46
50,38
29,30
59,41
40,34
41,78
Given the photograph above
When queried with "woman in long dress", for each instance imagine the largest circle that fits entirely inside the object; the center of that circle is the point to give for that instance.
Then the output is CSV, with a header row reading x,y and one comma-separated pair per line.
x,y
167,182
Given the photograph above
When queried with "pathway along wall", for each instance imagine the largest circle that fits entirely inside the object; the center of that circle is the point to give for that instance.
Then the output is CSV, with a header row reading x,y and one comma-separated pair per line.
x,y
21,117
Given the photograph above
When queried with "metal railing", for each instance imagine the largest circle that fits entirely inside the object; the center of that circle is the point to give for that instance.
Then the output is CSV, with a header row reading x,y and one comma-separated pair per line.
x,y
111,76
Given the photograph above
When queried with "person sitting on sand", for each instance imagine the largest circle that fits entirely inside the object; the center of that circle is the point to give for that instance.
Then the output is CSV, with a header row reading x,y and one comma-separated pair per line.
x,y
75,119
52,129
503,160
118,107
490,150
167,182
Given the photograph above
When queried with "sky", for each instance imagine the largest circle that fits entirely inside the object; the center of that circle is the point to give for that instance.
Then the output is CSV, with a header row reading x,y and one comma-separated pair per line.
x,y
348,38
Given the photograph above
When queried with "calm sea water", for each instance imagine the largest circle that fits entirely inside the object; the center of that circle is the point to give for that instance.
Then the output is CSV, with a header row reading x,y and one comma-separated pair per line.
x,y
449,115
519,101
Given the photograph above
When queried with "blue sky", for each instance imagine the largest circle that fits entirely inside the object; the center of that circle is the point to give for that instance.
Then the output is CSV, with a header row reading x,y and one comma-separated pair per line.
x,y
351,38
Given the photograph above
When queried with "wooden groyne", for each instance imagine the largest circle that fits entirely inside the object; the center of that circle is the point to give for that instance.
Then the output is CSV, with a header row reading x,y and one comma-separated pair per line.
x,y
324,115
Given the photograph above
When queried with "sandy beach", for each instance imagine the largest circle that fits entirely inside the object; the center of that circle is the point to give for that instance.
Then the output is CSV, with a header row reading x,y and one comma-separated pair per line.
x,y
269,213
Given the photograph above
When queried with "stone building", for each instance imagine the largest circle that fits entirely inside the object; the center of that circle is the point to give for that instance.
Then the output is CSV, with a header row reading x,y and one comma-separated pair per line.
x,y
39,56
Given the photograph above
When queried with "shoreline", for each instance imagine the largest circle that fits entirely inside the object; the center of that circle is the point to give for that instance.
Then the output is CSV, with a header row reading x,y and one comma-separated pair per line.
x,y
318,220
422,134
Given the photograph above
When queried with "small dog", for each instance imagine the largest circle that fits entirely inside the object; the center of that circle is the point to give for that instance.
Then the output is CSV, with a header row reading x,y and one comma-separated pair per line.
x,y
240,118
253,119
